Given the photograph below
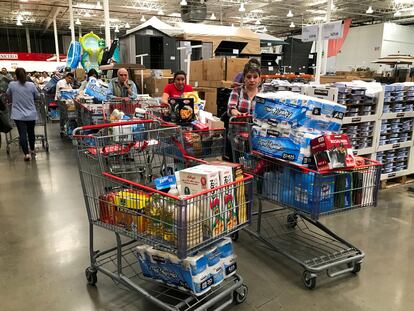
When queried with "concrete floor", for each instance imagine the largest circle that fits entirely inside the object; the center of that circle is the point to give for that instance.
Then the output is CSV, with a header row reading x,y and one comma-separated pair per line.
x,y
44,249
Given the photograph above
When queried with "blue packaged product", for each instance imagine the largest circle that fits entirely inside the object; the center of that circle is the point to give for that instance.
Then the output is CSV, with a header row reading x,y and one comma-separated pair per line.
x,y
229,265
196,264
275,110
137,130
313,196
277,147
217,272
213,256
225,247
143,260
165,182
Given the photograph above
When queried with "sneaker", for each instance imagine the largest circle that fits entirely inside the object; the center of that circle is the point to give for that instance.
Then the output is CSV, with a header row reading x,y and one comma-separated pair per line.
x,y
27,157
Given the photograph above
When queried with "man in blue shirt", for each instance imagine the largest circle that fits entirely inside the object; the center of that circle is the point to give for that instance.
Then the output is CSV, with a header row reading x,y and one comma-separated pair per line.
x,y
122,87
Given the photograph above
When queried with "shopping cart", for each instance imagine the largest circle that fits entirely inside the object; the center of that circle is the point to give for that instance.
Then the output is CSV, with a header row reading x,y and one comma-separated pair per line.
x,y
118,163
301,196
204,143
91,113
41,122
69,117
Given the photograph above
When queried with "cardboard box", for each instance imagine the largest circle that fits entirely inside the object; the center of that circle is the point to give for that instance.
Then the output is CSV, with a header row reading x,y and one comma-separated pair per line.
x,y
332,152
234,66
197,72
215,69
210,96
155,87
80,74
214,84
215,123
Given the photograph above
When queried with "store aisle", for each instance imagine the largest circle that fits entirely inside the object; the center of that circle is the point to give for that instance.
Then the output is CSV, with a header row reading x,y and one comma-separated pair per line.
x,y
44,249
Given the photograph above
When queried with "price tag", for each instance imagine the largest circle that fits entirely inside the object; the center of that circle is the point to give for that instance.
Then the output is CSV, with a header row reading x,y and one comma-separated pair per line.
x,y
400,115
392,175
353,120
396,146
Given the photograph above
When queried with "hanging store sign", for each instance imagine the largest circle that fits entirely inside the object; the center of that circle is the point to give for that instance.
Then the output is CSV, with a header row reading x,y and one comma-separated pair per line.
x,y
332,30
310,33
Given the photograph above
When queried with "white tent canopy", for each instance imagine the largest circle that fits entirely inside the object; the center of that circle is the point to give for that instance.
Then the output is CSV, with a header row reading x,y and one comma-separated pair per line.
x,y
159,25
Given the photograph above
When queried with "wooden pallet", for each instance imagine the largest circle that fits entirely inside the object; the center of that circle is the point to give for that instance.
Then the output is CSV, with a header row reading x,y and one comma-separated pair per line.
x,y
397,181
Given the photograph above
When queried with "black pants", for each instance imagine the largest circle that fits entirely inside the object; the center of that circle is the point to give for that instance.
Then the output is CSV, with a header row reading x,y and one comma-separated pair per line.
x,y
26,129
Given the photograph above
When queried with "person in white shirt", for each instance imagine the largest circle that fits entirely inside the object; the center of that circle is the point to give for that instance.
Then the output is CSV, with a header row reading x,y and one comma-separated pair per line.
x,y
64,84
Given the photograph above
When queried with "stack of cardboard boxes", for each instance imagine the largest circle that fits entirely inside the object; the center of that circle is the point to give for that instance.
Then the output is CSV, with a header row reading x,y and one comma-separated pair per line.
x,y
206,76
155,80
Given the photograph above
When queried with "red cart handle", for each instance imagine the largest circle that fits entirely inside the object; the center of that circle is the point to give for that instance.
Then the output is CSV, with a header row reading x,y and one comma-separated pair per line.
x,y
105,125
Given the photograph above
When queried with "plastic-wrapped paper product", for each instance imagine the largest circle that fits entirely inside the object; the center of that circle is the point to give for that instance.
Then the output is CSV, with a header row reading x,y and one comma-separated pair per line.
x,y
299,111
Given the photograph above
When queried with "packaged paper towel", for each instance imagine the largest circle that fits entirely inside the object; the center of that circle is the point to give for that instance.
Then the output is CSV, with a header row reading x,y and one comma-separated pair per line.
x,y
299,111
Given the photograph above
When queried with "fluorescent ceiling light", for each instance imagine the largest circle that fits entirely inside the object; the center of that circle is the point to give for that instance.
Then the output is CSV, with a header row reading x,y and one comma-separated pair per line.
x,y
116,28
264,29
398,13
292,25
19,17
175,14
289,14
78,22
183,2
127,26
213,17
258,22
160,12
98,5
370,10
24,1
19,23
142,18
242,8
87,14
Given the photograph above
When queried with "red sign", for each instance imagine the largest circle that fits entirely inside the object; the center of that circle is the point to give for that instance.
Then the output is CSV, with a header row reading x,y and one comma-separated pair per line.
x,y
42,57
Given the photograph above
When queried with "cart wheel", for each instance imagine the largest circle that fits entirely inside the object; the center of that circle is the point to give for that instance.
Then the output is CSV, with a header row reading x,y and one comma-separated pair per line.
x,y
62,135
309,280
240,294
292,220
357,267
91,276
234,236
47,147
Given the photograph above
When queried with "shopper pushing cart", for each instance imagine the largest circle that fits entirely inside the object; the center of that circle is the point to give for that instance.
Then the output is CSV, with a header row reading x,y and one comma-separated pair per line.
x,y
27,110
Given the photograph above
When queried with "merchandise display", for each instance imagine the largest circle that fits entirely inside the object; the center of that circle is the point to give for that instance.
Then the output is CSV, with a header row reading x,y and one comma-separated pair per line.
x,y
394,160
398,97
360,134
396,131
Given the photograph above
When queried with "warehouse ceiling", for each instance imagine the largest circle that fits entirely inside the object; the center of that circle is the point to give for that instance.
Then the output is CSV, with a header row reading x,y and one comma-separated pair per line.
x,y
269,16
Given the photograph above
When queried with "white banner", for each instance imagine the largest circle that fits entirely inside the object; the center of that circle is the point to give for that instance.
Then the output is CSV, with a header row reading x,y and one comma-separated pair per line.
x,y
310,33
332,30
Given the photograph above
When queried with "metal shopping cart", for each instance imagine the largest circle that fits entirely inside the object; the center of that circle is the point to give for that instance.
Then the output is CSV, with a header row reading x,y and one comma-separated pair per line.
x,y
41,122
69,117
118,163
91,113
292,198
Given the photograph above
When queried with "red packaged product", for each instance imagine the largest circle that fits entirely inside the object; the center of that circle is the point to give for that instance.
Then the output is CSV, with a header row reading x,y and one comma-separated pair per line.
x,y
332,152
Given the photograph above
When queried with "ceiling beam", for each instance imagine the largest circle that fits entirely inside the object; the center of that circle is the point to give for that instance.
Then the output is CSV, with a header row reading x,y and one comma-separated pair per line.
x,y
52,15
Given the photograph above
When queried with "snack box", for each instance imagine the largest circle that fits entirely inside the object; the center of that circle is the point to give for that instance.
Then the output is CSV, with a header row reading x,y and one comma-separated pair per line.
x,y
195,180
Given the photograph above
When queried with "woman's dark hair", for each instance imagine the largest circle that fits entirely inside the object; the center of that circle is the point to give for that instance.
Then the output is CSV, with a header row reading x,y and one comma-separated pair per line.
x,y
93,72
21,75
254,61
251,67
180,72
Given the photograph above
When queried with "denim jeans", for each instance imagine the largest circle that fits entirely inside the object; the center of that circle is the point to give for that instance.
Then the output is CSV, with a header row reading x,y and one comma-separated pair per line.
x,y
26,129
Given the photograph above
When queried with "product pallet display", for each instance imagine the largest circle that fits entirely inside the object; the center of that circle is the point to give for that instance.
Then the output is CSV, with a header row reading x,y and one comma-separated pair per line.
x,y
394,130
362,113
